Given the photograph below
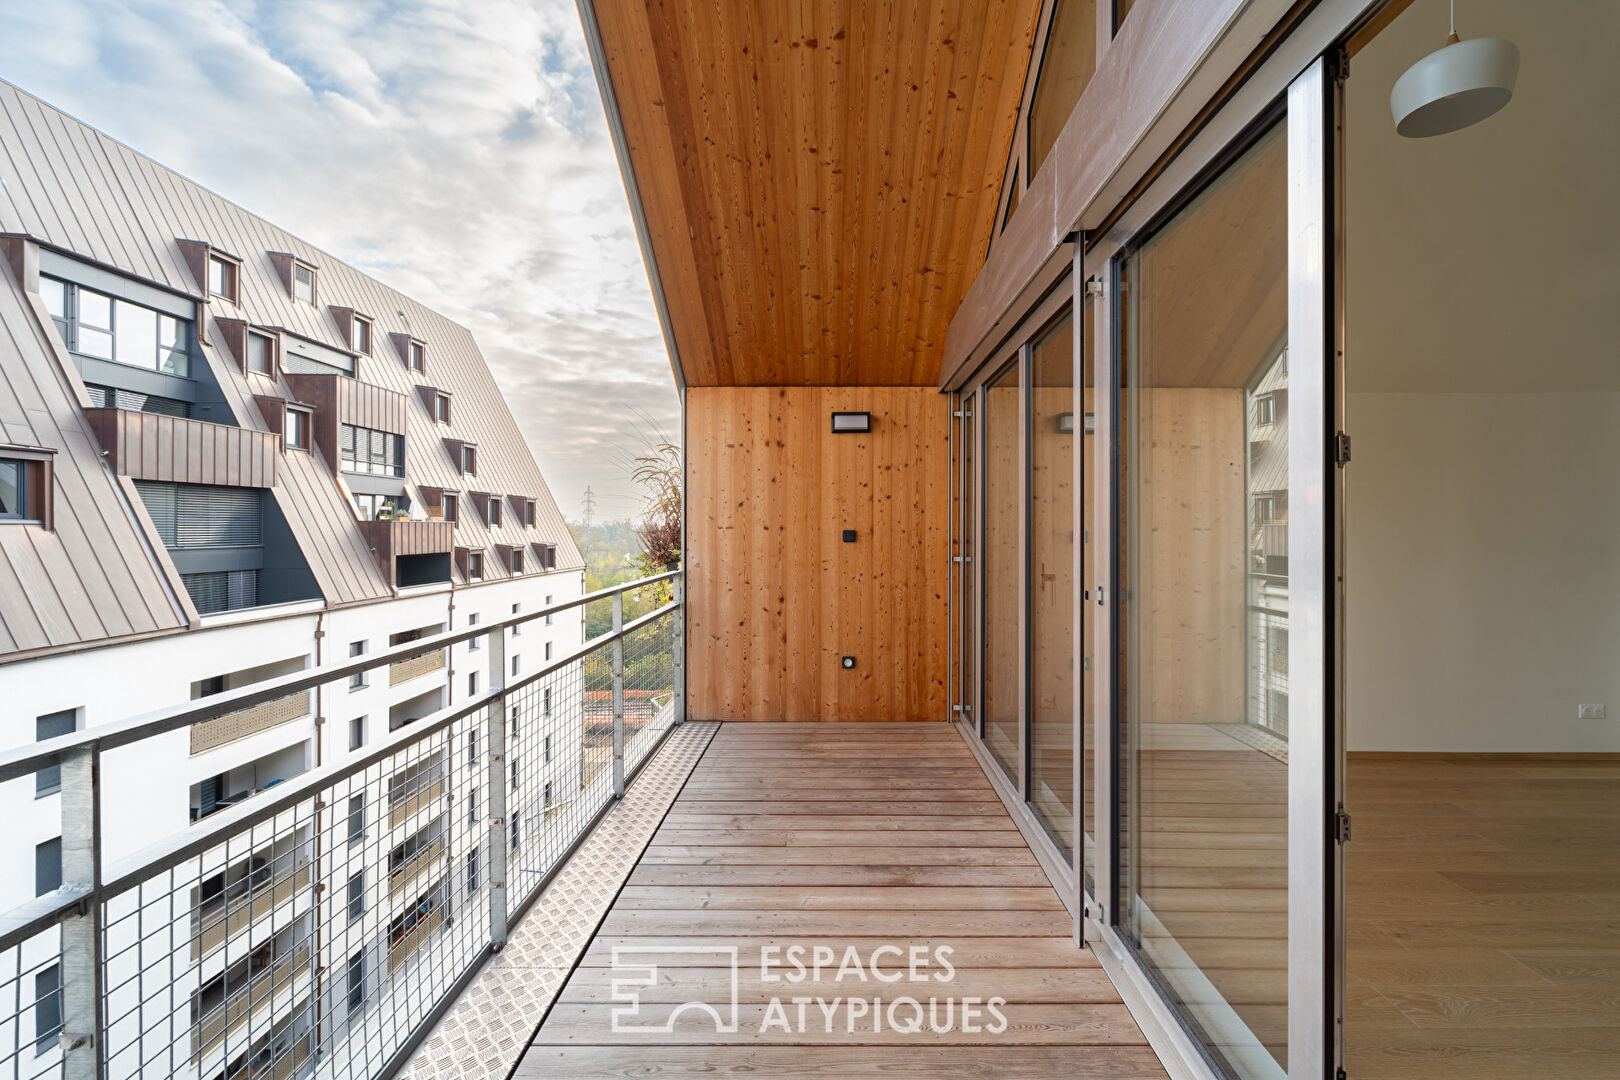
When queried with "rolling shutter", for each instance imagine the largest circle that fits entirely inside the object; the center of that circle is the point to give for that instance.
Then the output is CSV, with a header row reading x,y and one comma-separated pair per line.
x,y
222,590
208,516
160,503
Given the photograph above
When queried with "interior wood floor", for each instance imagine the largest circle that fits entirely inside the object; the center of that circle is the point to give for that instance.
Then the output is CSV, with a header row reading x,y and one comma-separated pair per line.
x,y
1484,918
838,836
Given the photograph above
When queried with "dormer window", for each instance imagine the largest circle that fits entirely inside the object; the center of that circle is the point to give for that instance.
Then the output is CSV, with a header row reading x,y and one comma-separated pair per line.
x,y
103,327
303,282
360,334
441,409
469,460
452,507
418,353
222,278
25,484
475,563
517,560
261,354
528,513
297,432
495,513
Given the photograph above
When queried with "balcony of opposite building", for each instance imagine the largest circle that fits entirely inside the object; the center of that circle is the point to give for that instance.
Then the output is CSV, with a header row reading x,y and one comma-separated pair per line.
x,y
149,446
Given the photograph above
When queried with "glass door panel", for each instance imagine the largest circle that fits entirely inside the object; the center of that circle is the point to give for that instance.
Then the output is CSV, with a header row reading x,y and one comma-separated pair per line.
x,y
1003,503
1205,491
1052,432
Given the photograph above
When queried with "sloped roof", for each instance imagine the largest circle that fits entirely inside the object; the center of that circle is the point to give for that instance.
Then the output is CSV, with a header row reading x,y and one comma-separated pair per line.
x,y
69,187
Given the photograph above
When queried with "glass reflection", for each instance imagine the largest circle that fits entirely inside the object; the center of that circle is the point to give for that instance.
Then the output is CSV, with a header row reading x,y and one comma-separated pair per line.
x,y
1051,639
1204,553
1003,716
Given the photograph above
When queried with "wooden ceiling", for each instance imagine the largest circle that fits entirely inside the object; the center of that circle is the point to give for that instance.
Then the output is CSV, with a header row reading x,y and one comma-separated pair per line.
x,y
819,180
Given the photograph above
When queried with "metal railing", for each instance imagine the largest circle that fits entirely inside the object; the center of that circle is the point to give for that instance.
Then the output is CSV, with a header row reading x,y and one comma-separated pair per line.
x,y
356,899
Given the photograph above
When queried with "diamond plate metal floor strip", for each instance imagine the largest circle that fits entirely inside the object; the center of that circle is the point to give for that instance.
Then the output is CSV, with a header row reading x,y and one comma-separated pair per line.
x,y
484,1033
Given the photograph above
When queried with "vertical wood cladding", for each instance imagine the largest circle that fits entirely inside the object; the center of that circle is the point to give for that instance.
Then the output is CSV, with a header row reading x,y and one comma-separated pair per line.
x,y
776,596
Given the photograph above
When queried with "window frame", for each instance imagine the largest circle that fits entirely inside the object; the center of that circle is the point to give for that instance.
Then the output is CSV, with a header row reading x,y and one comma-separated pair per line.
x,y
450,506
271,352
302,425
47,1036
314,281
356,896
230,280
363,326
357,733
416,356
48,781
36,483
358,681
441,408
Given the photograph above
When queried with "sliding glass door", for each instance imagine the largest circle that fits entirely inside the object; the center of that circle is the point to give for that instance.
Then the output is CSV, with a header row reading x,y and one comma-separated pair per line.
x,y
1220,856
1205,777
1023,423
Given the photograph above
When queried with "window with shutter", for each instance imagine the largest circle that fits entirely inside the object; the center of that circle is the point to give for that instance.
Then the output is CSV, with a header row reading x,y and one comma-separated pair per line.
x,y
209,516
160,504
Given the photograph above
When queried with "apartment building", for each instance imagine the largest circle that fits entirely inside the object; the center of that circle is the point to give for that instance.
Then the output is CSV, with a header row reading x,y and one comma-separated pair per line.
x,y
226,456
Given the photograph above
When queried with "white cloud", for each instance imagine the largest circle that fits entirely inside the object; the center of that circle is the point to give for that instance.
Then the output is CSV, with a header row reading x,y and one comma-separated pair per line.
x,y
454,149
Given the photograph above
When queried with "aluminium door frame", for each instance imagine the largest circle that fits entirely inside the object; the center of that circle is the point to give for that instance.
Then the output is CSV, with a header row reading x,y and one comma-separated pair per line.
x,y
1013,791
1296,72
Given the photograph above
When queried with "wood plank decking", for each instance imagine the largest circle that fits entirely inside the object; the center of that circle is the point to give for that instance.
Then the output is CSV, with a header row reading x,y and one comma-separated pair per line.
x,y
838,837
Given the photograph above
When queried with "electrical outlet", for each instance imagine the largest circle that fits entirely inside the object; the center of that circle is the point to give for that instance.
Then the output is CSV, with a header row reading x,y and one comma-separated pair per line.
x,y
1592,712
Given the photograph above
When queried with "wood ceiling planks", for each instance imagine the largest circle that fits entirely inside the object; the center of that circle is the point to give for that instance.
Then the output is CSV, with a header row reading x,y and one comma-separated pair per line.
x,y
819,181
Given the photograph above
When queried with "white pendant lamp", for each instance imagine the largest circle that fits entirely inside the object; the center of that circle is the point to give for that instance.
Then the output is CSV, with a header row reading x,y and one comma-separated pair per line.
x,y
1460,84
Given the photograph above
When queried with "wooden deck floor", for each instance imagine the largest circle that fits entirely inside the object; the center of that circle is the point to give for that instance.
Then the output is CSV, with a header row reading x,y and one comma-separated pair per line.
x,y
843,840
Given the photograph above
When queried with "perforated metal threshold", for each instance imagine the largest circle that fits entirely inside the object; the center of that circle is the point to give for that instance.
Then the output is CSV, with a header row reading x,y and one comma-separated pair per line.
x,y
484,1033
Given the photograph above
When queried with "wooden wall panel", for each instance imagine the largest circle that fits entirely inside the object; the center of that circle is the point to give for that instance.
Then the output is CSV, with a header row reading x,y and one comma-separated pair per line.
x,y
776,596
1192,551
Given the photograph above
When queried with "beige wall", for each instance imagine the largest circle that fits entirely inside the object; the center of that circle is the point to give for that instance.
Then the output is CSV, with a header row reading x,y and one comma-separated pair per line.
x,y
1484,394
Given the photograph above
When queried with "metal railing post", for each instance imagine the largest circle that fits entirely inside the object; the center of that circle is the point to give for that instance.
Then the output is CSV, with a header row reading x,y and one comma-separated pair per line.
x,y
618,695
499,823
83,1037
678,647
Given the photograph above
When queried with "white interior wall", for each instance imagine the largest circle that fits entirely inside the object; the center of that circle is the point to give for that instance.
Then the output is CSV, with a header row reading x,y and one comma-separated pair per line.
x,y
1484,384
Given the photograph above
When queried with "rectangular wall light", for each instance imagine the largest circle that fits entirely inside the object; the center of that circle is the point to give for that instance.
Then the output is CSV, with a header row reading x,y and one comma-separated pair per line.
x,y
1065,423
851,422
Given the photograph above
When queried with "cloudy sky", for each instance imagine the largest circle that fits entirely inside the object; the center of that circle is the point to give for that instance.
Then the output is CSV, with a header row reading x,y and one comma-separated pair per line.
x,y
455,149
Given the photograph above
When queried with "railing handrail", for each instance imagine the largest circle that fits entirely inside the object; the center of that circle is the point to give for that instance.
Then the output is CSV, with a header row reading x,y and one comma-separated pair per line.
x,y
32,757
33,916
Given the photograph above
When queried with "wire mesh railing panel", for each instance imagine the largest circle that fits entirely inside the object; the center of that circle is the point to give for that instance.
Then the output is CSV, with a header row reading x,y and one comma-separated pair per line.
x,y
649,687
558,774
31,1009
317,928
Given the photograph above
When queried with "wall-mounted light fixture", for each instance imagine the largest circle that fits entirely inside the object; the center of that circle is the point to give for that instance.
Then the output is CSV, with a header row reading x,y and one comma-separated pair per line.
x,y
844,423
1065,423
